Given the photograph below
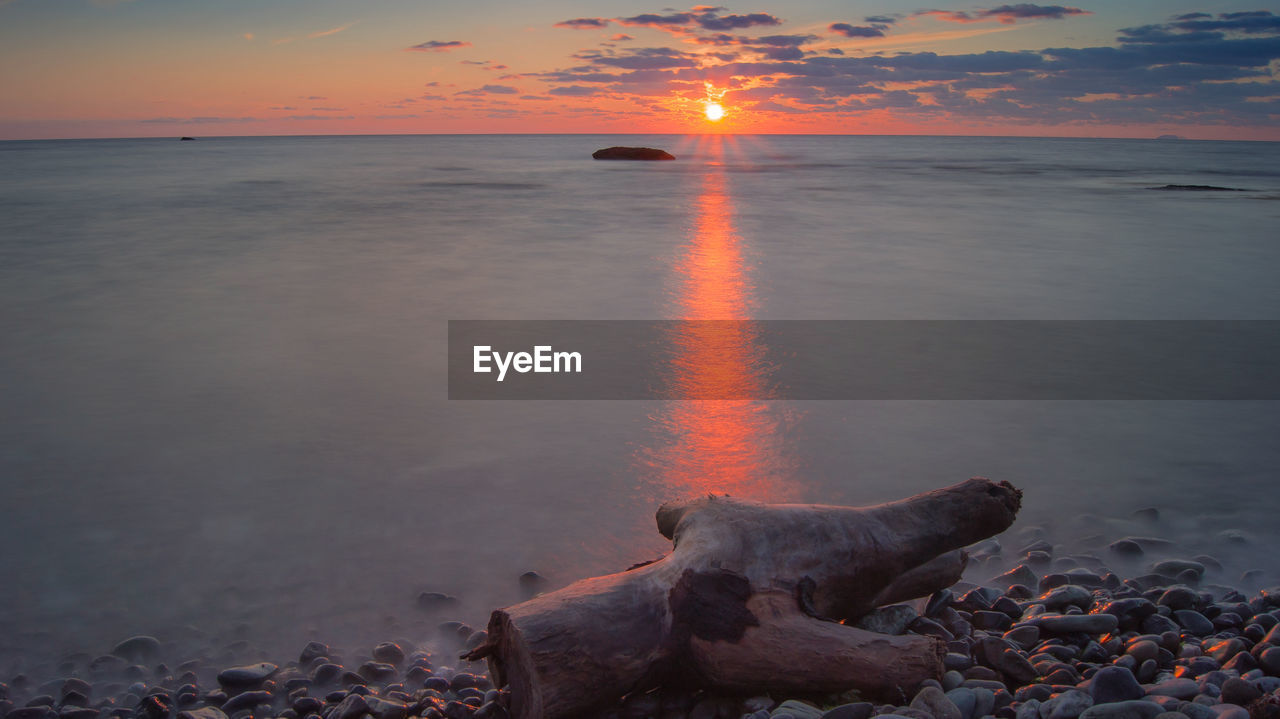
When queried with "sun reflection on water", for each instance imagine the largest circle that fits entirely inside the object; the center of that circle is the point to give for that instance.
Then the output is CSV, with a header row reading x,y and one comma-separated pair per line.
x,y
734,446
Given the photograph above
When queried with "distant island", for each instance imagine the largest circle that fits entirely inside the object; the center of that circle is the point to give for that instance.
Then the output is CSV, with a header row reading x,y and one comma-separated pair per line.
x,y
632,153
1171,137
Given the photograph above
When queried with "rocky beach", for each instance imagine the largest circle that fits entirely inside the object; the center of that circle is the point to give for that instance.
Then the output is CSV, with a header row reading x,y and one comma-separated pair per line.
x,y
1056,635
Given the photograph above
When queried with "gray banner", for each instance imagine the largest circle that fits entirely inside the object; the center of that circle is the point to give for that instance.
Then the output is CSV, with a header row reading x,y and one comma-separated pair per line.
x,y
864,359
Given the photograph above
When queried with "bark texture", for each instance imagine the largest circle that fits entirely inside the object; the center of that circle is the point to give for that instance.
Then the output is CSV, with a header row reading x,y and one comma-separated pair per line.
x,y
750,598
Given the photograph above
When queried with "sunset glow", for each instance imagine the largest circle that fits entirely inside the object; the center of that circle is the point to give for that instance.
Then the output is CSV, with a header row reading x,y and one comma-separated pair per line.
x,y
127,68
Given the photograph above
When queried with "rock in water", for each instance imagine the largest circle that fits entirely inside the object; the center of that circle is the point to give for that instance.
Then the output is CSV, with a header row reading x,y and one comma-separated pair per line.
x,y
186,139
631,153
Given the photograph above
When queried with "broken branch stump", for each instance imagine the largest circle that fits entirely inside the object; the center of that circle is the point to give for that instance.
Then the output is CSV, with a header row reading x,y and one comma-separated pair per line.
x,y
749,599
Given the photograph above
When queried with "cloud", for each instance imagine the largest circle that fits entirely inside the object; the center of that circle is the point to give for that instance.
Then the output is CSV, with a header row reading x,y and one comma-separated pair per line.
x,y
848,30
331,31
1007,14
574,91
490,90
711,21
1253,22
621,37
197,120
1195,67
438,46
584,23
701,17
648,58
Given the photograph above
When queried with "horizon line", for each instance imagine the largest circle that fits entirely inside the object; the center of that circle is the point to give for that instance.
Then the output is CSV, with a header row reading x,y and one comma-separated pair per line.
x,y
1168,137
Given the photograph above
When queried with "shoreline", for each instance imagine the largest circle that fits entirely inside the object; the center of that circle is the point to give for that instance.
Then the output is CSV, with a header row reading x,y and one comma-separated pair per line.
x,y
1048,639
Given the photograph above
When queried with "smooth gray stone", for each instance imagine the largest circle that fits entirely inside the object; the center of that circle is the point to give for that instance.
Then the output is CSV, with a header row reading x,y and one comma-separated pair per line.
x,y
245,700
1230,711
985,701
1029,709
383,709
1197,711
856,710
1114,684
249,675
1077,623
1180,688
797,709
1172,715
1067,705
141,648
965,700
1179,597
1016,667
1135,709
952,680
388,652
1067,595
888,620
1193,622
1173,567
1024,635
352,707
934,702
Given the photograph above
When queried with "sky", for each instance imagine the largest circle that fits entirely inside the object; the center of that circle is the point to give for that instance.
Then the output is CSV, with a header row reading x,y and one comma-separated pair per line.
x,y
154,68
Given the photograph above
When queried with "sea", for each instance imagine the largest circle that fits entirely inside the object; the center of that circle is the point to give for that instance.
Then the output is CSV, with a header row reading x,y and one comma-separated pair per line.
x,y
224,412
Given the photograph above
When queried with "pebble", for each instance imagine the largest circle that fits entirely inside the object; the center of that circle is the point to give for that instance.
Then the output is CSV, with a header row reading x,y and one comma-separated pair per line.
x,y
888,620
1269,661
1230,711
142,648
1067,595
797,709
247,676
1077,623
1114,684
1239,692
1135,709
1193,622
935,703
1179,688
1067,705
353,706
965,700
313,651
855,710
203,713
326,674
377,671
245,700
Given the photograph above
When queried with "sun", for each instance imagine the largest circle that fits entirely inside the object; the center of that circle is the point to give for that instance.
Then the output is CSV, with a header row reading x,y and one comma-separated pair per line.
x,y
714,111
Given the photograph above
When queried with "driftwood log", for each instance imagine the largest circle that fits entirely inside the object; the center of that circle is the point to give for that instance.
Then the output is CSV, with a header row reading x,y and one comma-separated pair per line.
x,y
750,599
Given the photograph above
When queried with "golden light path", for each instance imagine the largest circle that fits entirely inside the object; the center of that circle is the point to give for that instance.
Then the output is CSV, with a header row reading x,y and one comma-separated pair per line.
x,y
734,446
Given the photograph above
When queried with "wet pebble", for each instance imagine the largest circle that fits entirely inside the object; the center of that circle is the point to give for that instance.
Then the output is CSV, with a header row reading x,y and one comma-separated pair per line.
x,y
935,703
388,653
246,700
141,648
1114,684
247,676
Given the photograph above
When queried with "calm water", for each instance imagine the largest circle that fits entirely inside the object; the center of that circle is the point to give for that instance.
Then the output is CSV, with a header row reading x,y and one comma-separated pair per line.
x,y
223,409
